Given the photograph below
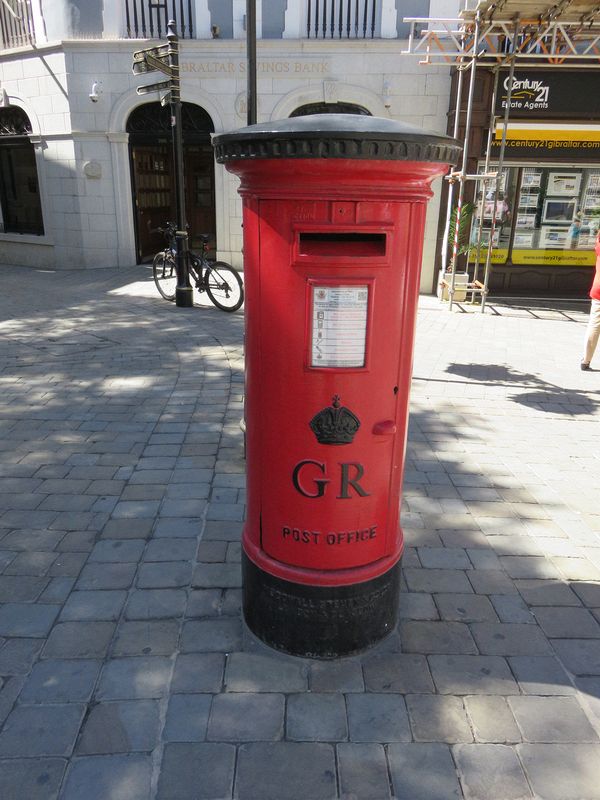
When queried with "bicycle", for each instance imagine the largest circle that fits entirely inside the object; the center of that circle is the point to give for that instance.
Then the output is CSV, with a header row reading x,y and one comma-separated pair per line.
x,y
218,279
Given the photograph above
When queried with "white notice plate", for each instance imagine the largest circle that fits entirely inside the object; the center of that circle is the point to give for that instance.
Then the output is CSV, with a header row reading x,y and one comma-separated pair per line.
x,y
339,326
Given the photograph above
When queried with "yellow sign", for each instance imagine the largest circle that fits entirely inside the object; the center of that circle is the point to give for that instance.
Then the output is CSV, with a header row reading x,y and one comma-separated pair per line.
x,y
499,256
549,258
552,136
558,258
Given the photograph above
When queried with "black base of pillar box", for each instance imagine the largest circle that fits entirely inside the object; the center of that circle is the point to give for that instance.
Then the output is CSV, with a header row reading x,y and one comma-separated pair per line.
x,y
319,621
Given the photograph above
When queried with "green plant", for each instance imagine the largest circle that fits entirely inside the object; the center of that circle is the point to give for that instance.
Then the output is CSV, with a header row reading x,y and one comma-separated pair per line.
x,y
464,227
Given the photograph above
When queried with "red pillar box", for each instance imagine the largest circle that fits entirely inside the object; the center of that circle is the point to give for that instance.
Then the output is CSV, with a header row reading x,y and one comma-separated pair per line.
x,y
334,210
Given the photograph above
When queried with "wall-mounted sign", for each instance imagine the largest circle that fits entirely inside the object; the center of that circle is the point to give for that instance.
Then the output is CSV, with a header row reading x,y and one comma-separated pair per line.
x,y
556,141
339,326
544,93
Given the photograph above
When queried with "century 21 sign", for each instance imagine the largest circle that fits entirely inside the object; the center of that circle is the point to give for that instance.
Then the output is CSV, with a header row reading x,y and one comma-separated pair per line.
x,y
537,93
527,94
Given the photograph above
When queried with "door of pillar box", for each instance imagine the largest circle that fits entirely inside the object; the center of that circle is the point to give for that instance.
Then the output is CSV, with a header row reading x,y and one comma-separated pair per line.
x,y
331,299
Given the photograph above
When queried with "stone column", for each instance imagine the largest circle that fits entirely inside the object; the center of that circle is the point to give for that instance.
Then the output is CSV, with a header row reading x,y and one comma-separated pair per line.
x,y
119,149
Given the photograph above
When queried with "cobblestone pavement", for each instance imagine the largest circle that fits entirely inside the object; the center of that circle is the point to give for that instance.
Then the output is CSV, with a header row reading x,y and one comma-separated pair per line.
x,y
126,673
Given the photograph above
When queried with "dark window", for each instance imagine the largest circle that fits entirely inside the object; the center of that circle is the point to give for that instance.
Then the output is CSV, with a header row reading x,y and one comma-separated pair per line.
x,y
330,108
19,188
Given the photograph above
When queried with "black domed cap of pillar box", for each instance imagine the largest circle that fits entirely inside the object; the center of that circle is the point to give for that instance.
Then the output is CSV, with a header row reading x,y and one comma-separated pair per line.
x,y
353,136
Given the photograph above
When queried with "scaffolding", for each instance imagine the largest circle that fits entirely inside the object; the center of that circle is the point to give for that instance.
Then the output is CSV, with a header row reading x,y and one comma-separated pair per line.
x,y
498,35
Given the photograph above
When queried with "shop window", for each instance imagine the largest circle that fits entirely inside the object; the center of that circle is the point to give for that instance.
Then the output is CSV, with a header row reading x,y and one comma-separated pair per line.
x,y
544,215
20,205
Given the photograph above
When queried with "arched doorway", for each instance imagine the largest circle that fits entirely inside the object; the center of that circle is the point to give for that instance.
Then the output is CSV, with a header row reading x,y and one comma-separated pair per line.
x,y
151,151
20,203
330,108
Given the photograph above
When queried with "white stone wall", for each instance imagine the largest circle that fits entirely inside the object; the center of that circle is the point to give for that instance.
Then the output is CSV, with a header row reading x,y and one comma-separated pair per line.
x,y
84,173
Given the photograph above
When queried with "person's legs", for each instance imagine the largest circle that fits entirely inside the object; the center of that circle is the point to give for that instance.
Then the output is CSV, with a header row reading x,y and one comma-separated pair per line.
x,y
592,334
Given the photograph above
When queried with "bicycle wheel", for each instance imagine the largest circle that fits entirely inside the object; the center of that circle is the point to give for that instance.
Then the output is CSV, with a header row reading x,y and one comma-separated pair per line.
x,y
165,274
224,286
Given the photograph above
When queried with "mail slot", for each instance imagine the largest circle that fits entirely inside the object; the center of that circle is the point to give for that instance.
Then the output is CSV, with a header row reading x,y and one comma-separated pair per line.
x,y
334,213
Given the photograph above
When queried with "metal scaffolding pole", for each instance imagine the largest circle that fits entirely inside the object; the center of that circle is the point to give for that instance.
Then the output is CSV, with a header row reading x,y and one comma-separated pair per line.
x,y
500,166
463,170
444,254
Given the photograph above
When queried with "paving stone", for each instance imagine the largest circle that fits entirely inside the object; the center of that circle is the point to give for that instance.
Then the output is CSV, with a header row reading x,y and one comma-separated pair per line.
x,y
529,567
438,718
67,565
145,604
56,681
579,656
472,675
417,605
512,609
552,719
202,771
77,541
170,550
198,672
509,640
208,576
465,608
397,672
316,717
27,540
17,655
336,676
249,672
567,623
178,527
106,576
79,640
492,720
547,593
134,678
187,718
35,564
443,558
577,569
490,770
57,590
120,727
226,530
118,550
148,637
22,619
436,580
285,771
545,764
483,558
436,637
490,581
120,777
164,575
127,529
31,778
409,763
20,588
362,771
212,552
246,717
541,675
377,718
93,605
211,635
205,603
588,593
55,728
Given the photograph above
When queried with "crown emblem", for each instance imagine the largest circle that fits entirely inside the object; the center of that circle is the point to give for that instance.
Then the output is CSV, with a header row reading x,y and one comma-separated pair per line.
x,y
335,424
